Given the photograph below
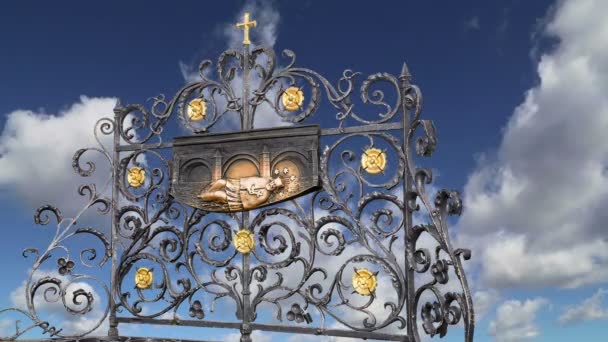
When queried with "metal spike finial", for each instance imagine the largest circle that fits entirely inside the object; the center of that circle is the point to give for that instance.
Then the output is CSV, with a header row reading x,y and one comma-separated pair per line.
x,y
290,159
118,108
405,73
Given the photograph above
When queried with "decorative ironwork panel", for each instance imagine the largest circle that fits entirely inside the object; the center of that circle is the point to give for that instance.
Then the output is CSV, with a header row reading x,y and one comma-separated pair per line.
x,y
316,228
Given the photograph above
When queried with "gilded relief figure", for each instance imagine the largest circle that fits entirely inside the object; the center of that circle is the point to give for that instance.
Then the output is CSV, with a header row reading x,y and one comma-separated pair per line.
x,y
241,194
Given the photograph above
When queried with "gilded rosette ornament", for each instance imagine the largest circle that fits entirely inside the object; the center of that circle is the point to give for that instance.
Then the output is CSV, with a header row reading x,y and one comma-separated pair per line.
x,y
136,177
364,282
143,278
197,110
292,98
244,241
373,160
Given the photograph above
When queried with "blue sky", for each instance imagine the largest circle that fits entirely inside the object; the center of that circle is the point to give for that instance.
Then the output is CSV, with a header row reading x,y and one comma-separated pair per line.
x,y
516,90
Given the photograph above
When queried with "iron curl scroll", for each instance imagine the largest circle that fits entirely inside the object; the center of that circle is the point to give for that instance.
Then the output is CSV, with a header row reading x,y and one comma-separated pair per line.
x,y
448,308
68,281
307,250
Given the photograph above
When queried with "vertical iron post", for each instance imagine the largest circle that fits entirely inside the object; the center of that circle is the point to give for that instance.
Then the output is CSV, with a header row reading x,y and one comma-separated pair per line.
x,y
247,125
113,330
405,78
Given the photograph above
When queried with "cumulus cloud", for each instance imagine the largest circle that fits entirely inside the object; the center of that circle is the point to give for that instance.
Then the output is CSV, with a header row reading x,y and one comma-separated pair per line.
x,y
483,301
54,312
7,328
590,309
535,215
36,150
515,320
264,34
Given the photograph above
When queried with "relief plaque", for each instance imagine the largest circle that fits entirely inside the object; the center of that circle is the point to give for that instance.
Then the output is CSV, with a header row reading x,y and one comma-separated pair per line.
x,y
241,171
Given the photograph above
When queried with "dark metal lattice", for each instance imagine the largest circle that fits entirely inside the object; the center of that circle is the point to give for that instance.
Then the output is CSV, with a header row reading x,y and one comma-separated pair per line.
x,y
304,247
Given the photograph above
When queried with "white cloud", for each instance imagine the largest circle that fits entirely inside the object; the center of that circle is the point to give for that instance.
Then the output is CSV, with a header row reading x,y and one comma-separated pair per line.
x,y
590,309
515,320
7,328
535,216
484,301
36,150
55,313
264,34
189,72
508,262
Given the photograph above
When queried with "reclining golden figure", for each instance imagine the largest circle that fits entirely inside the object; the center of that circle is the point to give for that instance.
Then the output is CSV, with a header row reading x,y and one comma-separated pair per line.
x,y
241,194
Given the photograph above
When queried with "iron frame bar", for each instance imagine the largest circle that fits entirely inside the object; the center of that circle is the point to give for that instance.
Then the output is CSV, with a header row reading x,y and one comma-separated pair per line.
x,y
444,310
270,328
324,132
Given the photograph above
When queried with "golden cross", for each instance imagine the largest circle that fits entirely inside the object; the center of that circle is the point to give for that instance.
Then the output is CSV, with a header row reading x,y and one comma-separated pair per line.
x,y
246,25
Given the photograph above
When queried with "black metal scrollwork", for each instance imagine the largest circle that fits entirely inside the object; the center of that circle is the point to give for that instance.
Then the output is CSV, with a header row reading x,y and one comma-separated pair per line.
x,y
355,220
71,285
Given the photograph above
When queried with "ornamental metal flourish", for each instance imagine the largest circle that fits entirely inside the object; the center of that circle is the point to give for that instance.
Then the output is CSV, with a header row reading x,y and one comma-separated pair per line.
x,y
353,258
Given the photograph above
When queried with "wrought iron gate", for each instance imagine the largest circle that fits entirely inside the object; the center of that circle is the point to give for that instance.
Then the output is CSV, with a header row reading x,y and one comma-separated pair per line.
x,y
344,260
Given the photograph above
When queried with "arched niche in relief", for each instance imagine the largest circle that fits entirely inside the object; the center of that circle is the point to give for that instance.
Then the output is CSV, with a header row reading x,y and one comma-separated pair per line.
x,y
241,166
195,170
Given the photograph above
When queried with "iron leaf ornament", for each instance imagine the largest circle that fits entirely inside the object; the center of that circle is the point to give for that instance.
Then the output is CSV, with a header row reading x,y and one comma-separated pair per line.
x,y
340,249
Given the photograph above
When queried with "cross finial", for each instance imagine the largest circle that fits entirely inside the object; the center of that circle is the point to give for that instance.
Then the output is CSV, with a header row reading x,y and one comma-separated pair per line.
x,y
246,25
